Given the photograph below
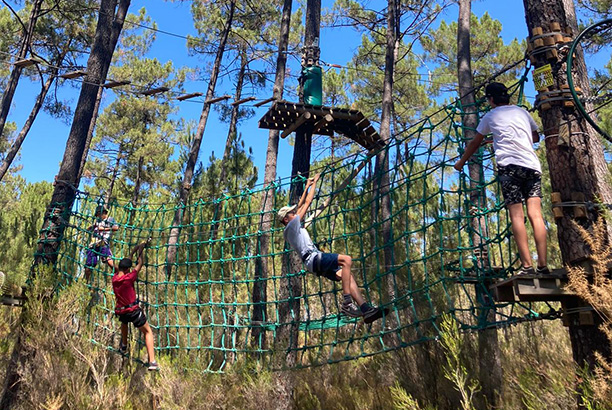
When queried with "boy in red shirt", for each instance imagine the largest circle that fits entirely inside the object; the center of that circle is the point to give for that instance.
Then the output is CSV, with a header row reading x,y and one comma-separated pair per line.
x,y
127,308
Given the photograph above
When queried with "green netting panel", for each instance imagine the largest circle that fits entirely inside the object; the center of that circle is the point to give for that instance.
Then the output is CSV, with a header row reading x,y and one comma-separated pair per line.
x,y
206,304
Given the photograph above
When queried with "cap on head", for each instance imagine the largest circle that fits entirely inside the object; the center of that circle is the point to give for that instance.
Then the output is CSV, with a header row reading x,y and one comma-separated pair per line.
x,y
100,209
125,264
499,93
496,90
282,213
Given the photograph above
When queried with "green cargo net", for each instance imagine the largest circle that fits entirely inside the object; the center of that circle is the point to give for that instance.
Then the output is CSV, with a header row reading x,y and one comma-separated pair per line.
x,y
206,304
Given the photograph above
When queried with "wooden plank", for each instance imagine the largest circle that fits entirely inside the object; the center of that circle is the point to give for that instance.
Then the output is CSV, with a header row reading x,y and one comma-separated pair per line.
x,y
217,99
154,91
188,96
259,104
73,74
113,83
242,101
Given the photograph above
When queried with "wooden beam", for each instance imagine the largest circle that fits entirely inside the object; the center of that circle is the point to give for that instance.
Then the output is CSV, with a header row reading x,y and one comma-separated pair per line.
x,y
113,83
188,96
26,62
74,74
157,90
259,104
217,99
235,103
324,122
301,120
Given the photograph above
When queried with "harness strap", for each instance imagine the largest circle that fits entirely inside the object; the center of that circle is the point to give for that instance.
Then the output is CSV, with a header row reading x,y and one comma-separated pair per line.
x,y
119,309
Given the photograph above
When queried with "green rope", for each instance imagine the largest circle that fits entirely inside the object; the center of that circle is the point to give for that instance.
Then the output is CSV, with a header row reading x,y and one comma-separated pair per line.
x,y
207,303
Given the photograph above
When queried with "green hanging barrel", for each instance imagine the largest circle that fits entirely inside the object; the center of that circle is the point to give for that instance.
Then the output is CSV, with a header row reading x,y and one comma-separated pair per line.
x,y
313,85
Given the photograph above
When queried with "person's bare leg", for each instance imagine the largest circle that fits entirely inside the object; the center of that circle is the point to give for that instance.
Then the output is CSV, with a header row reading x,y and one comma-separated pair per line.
x,y
519,231
534,213
124,333
349,286
148,335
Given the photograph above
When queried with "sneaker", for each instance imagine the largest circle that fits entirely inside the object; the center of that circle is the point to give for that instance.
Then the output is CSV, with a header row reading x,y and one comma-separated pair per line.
x,y
542,270
525,271
122,348
350,309
153,366
374,313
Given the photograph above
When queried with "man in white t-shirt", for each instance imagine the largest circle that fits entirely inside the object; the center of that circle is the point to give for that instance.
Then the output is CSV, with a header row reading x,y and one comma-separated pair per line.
x,y
332,266
514,133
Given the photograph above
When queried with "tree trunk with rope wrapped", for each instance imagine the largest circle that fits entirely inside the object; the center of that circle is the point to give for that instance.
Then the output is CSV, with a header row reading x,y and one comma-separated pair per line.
x,y
575,158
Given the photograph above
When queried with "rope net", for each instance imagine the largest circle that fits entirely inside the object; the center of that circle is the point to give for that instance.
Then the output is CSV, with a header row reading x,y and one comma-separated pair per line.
x,y
441,261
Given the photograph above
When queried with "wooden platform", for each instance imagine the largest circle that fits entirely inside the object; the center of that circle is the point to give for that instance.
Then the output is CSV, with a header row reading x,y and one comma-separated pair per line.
x,y
321,120
533,288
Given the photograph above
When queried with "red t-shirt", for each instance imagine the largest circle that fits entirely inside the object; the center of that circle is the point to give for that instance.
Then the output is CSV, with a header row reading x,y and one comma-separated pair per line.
x,y
123,286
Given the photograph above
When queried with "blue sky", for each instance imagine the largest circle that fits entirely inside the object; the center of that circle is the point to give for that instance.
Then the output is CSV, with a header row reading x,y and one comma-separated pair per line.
x,y
43,149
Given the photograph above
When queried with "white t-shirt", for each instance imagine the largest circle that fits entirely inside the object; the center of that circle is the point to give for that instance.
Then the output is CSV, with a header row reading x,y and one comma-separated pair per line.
x,y
512,129
104,235
300,241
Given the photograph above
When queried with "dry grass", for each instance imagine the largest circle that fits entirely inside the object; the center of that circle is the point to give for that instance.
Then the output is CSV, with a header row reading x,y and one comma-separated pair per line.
x,y
596,289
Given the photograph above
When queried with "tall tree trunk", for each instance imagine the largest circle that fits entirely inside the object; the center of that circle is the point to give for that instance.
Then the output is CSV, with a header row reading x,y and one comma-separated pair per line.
x,y
381,167
232,134
12,153
11,86
232,131
92,126
577,164
110,21
289,312
194,152
260,294
490,370
138,182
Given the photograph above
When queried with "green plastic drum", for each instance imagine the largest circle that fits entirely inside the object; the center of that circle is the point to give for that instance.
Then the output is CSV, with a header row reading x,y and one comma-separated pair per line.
x,y
313,85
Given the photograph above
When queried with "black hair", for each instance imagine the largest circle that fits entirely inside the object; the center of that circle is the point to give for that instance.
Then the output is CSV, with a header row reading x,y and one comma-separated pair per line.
x,y
498,92
125,264
100,209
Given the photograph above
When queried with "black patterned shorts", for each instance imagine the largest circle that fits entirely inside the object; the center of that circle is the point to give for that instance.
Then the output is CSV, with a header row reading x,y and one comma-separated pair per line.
x,y
519,183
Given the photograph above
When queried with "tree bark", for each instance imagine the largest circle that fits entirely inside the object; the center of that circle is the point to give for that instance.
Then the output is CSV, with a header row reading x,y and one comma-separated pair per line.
x,y
11,86
194,152
490,369
110,21
381,167
92,126
232,131
260,294
577,164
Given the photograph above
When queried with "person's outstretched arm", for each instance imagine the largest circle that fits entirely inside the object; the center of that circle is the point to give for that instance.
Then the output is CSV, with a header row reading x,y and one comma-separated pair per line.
x,y
471,148
139,250
307,196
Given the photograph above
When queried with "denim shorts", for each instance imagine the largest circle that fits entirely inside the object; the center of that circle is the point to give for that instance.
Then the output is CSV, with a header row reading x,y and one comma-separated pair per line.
x,y
326,265
519,183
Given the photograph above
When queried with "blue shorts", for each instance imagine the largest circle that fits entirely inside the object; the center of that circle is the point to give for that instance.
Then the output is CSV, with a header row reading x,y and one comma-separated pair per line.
x,y
103,252
326,265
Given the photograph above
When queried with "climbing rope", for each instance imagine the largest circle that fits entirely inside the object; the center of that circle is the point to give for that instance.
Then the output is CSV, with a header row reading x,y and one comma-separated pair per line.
x,y
207,302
